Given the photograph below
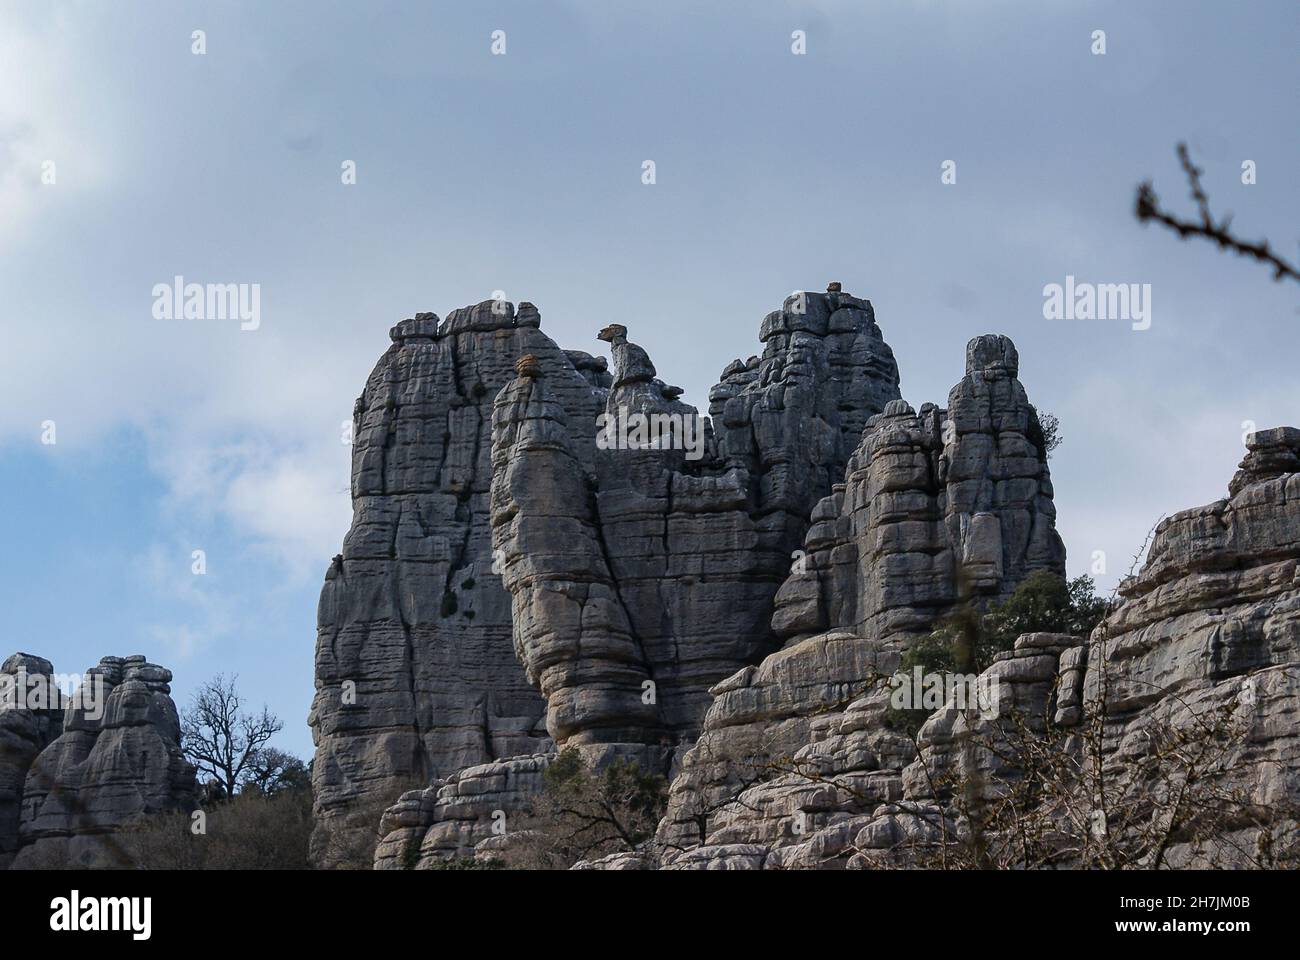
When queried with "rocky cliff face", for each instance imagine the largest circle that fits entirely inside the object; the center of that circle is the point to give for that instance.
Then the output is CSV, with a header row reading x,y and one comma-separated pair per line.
x,y
1184,702
945,507
643,569
118,758
728,601
416,675
645,574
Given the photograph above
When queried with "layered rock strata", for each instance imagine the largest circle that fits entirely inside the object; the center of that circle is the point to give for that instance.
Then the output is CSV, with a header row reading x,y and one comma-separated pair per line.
x,y
645,574
118,759
27,727
416,676
938,508
642,573
1184,702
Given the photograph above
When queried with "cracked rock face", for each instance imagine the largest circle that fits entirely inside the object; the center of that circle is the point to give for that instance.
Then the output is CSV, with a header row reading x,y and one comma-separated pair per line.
x,y
461,816
934,507
416,675
116,760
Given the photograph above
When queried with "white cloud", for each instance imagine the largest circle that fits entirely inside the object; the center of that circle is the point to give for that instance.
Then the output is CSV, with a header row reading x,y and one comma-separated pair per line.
x,y
46,116
200,615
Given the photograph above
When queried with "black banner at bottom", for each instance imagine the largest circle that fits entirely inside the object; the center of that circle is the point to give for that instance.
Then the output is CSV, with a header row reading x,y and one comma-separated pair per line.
x,y
337,909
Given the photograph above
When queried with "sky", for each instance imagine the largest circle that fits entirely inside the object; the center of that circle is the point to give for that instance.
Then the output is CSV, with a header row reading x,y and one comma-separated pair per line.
x,y
126,159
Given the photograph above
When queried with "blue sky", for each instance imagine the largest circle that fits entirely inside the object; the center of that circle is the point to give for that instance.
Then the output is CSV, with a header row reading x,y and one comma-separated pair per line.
x,y
522,173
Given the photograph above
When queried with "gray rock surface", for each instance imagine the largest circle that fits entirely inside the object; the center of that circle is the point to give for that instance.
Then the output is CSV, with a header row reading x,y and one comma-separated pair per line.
x,y
641,576
461,816
116,760
1196,669
936,507
416,675
24,733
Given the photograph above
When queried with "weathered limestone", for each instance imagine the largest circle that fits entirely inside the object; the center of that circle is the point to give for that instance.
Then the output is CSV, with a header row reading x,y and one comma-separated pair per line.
x,y
753,779
24,733
642,575
415,669
118,759
460,816
936,507
1202,652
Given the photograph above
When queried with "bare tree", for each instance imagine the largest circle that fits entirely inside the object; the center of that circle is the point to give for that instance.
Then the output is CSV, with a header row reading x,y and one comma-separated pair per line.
x,y
1148,208
274,771
220,739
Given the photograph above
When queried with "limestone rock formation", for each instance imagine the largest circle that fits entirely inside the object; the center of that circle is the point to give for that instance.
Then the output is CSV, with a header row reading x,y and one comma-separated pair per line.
x,y
416,674
752,781
644,573
1185,700
937,508
117,759
461,816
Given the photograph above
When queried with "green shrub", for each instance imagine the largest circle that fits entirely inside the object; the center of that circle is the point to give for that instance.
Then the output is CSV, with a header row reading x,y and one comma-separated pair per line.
x,y
968,641
1044,603
583,813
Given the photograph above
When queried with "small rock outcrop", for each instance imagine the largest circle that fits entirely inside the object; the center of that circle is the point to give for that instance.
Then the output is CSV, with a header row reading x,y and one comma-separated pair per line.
x,y
117,759
462,816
